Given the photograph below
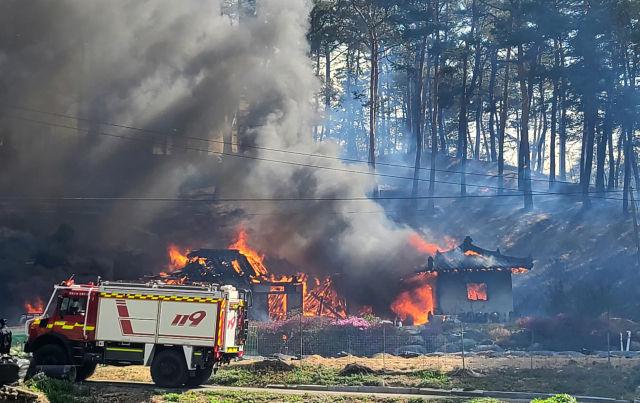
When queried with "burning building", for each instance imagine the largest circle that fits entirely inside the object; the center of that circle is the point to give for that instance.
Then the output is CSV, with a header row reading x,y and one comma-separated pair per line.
x,y
474,284
468,282
272,298
275,297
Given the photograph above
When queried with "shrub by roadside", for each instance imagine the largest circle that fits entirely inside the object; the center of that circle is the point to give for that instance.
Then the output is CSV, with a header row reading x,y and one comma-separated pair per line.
x,y
317,375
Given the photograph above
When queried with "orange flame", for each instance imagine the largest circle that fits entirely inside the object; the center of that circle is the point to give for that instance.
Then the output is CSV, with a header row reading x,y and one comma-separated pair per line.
x,y
429,248
419,301
366,310
36,307
417,242
518,270
320,299
178,260
472,253
477,292
323,300
237,268
277,306
254,257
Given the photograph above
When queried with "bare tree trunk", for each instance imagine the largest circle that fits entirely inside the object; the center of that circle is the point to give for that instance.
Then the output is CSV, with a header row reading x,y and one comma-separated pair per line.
x,y
436,114
524,132
462,115
612,166
492,104
590,112
316,133
627,170
418,119
373,109
554,115
543,130
563,118
462,129
602,145
621,141
478,115
327,91
542,144
503,122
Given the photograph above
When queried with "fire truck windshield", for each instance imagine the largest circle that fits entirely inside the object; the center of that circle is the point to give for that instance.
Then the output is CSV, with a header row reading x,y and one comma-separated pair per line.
x,y
72,306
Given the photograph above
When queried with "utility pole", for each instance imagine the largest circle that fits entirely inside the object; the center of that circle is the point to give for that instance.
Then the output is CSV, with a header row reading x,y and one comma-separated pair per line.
x,y
635,225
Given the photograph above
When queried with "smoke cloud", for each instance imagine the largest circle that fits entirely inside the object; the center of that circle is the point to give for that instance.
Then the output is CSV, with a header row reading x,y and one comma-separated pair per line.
x,y
192,68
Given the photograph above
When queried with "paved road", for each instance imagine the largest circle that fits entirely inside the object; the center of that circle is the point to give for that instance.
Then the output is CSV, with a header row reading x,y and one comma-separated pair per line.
x,y
150,385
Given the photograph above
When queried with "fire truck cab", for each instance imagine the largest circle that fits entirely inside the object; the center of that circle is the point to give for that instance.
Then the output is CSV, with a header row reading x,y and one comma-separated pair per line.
x,y
183,332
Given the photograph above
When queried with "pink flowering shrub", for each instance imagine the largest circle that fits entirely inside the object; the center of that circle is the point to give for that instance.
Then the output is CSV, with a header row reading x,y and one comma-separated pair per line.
x,y
360,323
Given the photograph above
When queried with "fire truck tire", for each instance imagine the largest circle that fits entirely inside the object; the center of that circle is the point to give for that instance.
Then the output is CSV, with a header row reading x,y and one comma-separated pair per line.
x,y
201,376
169,369
85,371
51,354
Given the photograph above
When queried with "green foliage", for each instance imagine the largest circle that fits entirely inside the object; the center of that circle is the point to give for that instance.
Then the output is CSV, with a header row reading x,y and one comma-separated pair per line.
x,y
429,375
318,375
57,391
234,377
557,399
172,397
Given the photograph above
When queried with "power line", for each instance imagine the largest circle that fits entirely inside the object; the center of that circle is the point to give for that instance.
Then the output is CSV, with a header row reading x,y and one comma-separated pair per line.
x,y
259,147
277,199
273,160
386,212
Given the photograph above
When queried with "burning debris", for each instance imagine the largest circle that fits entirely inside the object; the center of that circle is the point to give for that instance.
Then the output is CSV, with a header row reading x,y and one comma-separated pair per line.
x,y
468,282
274,296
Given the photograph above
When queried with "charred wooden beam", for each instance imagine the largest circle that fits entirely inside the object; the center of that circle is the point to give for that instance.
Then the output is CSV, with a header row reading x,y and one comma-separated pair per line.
x,y
333,311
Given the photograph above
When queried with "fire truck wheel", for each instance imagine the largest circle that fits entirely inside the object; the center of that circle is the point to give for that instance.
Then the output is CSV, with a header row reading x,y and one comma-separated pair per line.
x,y
201,376
51,354
169,369
85,371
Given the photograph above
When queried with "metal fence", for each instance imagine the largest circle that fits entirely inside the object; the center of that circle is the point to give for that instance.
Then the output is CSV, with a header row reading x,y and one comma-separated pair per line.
x,y
412,352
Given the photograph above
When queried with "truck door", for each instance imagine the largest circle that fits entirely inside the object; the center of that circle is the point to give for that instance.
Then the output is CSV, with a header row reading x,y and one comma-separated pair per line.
x,y
69,318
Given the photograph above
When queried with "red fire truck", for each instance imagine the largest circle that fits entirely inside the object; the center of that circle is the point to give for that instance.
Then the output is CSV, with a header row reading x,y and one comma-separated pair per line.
x,y
183,332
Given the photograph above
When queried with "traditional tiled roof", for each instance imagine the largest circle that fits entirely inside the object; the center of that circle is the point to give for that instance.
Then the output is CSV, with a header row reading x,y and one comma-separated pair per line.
x,y
467,256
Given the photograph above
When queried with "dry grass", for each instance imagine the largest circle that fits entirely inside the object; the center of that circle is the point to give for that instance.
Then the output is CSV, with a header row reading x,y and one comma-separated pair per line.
x,y
484,365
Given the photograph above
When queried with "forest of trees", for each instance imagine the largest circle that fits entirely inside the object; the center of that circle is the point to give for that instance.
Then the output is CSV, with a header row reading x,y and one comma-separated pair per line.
x,y
481,79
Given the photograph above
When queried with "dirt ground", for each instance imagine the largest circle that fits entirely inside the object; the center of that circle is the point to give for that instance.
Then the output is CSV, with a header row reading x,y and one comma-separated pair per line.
x,y
477,363
487,365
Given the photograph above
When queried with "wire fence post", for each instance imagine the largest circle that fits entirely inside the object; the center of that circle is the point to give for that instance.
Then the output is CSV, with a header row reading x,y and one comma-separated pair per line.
x,y
464,367
301,342
531,349
384,348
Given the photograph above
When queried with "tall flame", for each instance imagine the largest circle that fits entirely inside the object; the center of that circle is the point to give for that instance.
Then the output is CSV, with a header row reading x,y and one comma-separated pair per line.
x,y
418,302
36,307
254,257
178,259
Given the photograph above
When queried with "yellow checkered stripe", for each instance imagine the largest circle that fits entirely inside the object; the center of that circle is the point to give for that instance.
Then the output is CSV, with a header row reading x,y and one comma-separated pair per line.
x,y
158,297
64,325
